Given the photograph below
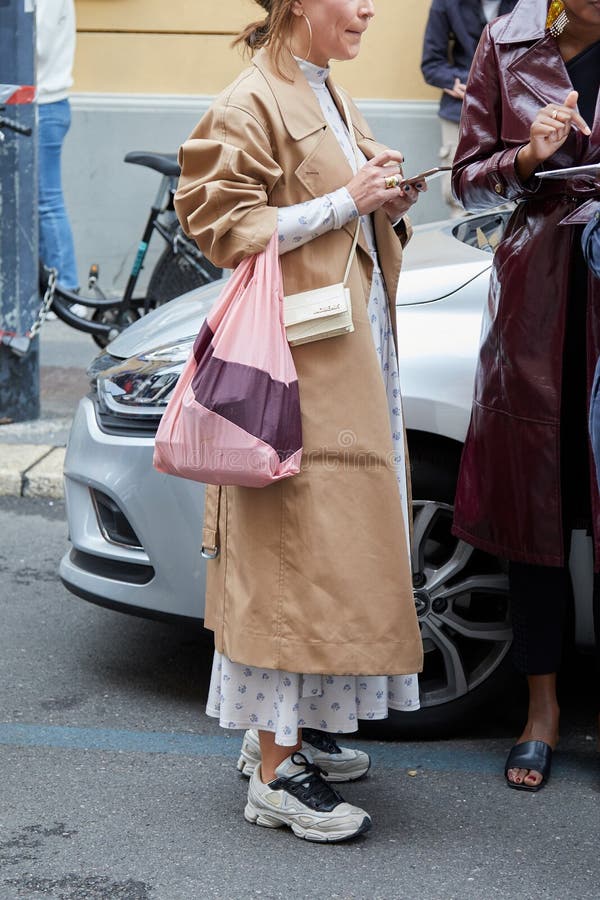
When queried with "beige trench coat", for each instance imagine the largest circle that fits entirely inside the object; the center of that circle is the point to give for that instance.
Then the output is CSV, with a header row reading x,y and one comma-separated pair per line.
x,y
312,574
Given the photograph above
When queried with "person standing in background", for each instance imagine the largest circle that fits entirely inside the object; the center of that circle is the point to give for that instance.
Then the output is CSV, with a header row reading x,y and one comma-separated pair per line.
x,y
55,47
453,30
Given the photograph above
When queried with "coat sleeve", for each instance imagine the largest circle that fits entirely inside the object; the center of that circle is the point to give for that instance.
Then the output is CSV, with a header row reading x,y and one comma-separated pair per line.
x,y
436,66
227,175
484,172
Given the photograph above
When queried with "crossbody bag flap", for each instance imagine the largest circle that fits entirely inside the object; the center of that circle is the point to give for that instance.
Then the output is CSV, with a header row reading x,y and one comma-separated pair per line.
x,y
321,303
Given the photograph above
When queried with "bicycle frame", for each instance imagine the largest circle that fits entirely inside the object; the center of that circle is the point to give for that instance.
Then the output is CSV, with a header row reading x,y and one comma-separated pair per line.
x,y
120,306
162,203
63,298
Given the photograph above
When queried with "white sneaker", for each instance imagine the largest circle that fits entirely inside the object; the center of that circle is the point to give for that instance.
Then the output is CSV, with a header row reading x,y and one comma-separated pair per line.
x,y
302,800
84,312
338,763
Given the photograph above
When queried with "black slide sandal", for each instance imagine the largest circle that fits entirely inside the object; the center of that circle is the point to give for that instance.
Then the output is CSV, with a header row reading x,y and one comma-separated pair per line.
x,y
533,755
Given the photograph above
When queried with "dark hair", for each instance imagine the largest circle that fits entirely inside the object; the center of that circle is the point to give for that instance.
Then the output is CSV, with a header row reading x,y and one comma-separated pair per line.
x,y
272,31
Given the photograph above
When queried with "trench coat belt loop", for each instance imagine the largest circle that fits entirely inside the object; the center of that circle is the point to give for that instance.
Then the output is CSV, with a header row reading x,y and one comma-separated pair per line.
x,y
210,533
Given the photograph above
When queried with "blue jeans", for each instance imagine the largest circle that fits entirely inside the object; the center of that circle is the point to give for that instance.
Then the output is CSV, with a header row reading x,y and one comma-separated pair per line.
x,y
56,238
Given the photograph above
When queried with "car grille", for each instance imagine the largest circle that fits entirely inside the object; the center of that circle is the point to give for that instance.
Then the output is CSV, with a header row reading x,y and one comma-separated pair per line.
x,y
124,426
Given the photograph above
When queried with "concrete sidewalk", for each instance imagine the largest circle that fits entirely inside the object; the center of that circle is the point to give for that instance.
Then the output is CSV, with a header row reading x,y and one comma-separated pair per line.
x,y
32,453
31,470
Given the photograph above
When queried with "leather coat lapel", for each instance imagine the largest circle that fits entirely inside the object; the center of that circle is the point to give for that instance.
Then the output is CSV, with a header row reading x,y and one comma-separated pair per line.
x,y
527,22
542,71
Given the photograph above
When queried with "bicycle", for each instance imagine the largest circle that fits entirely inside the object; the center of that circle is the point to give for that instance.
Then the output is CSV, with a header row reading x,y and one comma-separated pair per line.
x,y
181,267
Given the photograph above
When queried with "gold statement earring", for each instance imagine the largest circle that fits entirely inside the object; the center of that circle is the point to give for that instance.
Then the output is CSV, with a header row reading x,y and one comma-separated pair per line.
x,y
557,19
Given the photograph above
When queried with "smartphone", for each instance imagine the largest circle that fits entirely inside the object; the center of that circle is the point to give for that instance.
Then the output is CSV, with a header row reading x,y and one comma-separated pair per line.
x,y
429,175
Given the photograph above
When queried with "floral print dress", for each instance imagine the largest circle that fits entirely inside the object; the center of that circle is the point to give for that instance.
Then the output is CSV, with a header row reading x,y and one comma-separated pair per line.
x,y
243,696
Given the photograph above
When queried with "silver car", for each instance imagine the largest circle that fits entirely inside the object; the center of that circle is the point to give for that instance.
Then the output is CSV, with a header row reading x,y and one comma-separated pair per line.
x,y
136,533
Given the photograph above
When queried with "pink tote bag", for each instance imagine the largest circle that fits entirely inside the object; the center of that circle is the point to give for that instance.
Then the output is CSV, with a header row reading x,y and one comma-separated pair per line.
x,y
234,416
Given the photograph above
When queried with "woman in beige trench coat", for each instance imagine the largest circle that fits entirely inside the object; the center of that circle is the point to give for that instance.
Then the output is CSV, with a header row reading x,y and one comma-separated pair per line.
x,y
310,594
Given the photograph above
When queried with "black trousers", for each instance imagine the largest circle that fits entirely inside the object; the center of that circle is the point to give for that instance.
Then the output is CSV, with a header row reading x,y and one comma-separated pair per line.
x,y
541,595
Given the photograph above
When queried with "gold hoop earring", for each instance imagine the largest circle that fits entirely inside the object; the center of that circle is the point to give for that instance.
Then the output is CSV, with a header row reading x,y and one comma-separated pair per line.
x,y
310,35
557,19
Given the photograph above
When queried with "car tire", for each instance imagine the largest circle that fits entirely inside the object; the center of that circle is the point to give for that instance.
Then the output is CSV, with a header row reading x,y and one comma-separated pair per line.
x,y
459,640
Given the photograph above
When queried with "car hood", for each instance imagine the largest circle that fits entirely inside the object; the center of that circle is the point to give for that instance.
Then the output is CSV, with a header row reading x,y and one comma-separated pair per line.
x,y
175,321
436,264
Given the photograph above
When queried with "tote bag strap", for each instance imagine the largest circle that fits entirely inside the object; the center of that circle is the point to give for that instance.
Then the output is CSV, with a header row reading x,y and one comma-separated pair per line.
x,y
350,128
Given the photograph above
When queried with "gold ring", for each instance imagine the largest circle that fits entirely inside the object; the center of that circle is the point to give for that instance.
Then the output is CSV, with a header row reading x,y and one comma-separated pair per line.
x,y
392,181
555,114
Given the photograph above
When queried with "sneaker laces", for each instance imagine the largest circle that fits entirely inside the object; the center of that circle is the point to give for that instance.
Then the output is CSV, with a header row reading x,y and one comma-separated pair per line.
x,y
310,779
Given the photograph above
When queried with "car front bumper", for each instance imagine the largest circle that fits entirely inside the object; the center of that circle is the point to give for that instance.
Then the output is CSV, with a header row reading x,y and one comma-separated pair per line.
x,y
161,573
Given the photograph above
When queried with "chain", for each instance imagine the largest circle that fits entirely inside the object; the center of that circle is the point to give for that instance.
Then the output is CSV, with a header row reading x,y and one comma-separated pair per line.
x,y
20,344
45,307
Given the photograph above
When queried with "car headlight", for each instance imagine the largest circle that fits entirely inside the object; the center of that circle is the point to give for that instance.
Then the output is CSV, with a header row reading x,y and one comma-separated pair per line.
x,y
142,385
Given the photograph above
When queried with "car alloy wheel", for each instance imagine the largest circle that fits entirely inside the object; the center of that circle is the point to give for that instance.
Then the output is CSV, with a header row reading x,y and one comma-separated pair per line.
x,y
462,601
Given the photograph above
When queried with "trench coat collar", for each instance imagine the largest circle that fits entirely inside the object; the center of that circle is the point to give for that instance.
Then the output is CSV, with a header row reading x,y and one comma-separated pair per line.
x,y
297,103
299,108
302,116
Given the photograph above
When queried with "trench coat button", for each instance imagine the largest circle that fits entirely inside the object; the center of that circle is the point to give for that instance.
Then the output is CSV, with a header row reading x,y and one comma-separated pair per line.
x,y
498,188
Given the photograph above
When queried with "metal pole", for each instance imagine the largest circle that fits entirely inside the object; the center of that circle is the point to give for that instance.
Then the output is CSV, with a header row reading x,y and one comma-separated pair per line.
x,y
19,295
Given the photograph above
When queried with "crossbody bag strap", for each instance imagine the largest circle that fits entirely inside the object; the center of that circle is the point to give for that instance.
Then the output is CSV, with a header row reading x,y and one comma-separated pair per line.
x,y
350,128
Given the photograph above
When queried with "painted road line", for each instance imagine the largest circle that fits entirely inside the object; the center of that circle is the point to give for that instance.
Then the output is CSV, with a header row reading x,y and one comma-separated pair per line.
x,y
441,757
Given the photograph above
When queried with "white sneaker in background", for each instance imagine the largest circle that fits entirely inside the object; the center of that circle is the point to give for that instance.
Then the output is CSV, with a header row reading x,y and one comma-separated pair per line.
x,y
338,763
84,312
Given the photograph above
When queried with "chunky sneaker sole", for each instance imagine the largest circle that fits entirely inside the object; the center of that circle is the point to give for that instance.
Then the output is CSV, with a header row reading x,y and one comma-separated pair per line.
x,y
345,765
273,806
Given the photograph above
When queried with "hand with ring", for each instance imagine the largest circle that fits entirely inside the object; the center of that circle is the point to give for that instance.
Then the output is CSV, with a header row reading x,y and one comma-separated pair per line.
x,y
549,131
379,183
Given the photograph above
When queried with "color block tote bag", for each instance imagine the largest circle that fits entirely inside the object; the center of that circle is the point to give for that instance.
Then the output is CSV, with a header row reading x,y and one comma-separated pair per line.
x,y
234,416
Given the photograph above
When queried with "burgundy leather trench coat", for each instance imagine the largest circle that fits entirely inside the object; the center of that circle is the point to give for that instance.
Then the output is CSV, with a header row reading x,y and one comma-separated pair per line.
x,y
509,491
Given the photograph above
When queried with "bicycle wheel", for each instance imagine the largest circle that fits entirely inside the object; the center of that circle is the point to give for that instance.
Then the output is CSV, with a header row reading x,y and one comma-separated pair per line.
x,y
174,274
113,317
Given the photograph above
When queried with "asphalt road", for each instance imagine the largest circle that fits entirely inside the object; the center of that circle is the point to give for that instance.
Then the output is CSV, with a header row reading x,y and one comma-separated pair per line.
x,y
115,786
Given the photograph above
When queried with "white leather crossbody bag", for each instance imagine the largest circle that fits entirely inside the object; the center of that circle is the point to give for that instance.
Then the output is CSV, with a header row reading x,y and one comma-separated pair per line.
x,y
324,312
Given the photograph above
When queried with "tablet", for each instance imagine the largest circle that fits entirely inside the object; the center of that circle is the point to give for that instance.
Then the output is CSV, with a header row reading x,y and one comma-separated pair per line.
x,y
573,172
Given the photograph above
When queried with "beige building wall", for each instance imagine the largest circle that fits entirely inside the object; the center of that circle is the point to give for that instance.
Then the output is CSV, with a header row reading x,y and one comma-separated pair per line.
x,y
183,47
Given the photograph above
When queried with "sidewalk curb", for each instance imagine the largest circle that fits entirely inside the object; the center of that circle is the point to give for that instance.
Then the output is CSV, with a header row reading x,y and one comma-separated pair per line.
x,y
32,470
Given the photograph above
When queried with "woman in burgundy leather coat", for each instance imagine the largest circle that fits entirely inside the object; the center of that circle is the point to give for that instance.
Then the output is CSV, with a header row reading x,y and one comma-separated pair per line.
x,y
525,481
